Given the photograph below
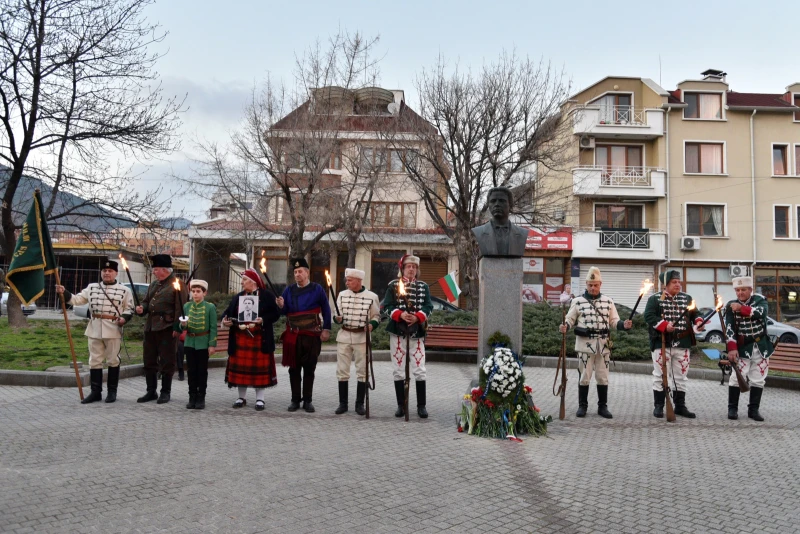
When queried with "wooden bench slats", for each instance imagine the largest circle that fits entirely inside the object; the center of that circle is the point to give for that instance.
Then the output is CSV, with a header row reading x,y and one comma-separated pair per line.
x,y
785,358
452,337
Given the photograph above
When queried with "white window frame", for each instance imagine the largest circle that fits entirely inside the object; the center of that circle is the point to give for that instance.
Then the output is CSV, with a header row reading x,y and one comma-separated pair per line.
x,y
794,157
788,161
724,205
723,103
610,142
789,222
626,204
794,95
724,156
607,93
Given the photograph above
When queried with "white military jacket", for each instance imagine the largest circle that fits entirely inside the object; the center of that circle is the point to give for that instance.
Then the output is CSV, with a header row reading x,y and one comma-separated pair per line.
x,y
595,318
357,309
120,304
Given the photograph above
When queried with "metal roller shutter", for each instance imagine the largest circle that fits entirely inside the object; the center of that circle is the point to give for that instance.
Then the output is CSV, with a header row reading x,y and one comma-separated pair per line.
x,y
620,282
431,270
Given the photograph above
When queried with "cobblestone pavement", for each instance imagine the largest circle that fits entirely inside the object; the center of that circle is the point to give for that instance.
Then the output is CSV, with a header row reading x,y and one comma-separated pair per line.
x,y
142,468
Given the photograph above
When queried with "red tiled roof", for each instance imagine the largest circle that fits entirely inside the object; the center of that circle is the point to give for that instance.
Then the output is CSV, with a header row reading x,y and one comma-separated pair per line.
x,y
406,121
674,97
758,100
222,224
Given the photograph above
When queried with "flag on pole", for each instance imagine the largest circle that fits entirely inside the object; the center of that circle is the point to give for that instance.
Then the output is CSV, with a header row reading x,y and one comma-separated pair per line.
x,y
450,287
33,256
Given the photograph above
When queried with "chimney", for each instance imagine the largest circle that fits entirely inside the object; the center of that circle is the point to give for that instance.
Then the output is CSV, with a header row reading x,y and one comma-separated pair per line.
x,y
714,75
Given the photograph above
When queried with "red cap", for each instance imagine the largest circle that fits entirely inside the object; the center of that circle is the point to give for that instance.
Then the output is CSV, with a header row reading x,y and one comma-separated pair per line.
x,y
254,276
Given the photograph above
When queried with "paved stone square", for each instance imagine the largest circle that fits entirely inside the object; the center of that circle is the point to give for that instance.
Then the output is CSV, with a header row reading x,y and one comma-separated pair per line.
x,y
126,467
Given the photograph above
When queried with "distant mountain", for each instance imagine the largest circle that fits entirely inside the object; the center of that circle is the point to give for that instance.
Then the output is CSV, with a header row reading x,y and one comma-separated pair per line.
x,y
88,218
175,223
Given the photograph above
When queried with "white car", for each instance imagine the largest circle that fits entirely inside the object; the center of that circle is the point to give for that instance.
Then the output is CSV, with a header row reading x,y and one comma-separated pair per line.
x,y
30,309
782,332
83,310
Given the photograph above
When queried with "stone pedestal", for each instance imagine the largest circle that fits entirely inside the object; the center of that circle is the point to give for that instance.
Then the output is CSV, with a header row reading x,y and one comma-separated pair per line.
x,y
500,302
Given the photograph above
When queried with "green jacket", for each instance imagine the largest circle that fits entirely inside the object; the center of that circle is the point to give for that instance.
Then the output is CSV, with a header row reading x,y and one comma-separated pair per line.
x,y
419,301
748,328
659,312
162,306
202,318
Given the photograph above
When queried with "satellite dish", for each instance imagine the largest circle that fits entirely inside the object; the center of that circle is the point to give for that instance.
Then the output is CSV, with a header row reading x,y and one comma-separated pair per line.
x,y
393,108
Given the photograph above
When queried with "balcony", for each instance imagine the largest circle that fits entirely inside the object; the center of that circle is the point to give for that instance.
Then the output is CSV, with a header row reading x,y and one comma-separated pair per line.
x,y
615,122
626,182
625,244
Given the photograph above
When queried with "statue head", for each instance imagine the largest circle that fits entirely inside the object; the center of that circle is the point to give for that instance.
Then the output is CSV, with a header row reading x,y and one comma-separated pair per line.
x,y
500,202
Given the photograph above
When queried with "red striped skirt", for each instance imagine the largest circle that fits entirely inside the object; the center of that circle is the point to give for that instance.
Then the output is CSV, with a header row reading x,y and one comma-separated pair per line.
x,y
248,366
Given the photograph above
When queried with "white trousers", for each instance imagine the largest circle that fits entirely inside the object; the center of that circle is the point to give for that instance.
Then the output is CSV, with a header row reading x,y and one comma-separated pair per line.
x,y
597,364
345,353
101,350
677,368
754,369
397,348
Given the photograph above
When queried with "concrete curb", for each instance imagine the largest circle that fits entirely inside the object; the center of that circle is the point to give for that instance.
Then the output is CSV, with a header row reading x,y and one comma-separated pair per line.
x,y
56,379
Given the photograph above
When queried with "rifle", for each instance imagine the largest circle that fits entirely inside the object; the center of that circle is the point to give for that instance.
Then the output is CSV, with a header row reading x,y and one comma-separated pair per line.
x,y
368,365
743,385
191,274
664,379
562,366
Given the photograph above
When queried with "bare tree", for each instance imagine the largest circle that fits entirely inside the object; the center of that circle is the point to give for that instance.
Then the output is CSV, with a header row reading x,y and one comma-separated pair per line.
x,y
78,88
294,168
497,127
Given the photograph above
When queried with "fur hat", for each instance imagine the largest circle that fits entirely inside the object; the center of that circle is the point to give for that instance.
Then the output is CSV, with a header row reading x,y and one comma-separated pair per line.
x,y
355,273
742,281
198,283
594,275
111,264
254,276
408,258
299,262
667,276
161,260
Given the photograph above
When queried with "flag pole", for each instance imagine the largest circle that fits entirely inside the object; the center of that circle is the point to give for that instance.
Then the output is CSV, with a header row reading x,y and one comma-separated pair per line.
x,y
69,336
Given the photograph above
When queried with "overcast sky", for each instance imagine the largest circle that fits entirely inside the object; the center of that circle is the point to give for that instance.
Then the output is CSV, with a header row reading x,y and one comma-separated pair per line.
x,y
216,52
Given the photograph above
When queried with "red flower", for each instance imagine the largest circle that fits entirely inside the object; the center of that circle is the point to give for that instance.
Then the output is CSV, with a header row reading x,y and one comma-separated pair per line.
x,y
460,429
536,409
489,404
528,389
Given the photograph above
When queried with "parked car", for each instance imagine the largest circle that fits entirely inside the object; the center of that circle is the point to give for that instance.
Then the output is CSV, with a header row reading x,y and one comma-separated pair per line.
x,y
83,310
780,331
26,310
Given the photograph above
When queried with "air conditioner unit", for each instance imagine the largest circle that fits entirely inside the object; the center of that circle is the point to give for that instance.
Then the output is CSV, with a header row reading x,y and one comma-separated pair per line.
x,y
690,243
587,142
738,270
559,215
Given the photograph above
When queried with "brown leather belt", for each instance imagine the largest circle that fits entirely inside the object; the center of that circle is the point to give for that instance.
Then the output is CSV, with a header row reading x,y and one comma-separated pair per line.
x,y
197,334
348,329
102,316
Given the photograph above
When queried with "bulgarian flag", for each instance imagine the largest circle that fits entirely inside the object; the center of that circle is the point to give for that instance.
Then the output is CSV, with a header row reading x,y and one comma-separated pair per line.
x,y
33,256
450,287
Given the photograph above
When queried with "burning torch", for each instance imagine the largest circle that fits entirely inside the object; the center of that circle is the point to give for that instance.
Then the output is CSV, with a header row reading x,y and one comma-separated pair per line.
x,y
263,265
177,285
646,285
330,288
133,287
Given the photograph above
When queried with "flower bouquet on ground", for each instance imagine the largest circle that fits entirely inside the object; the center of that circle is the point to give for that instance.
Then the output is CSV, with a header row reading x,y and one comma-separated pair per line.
x,y
502,407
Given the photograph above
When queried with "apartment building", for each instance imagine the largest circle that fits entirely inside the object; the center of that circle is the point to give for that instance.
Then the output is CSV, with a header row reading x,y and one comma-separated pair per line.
x,y
701,178
359,145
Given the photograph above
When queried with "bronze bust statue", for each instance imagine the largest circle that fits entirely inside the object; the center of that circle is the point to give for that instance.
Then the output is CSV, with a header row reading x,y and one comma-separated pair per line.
x,y
498,237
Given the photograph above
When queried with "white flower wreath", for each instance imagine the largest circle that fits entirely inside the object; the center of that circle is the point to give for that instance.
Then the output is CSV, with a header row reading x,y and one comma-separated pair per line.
x,y
507,372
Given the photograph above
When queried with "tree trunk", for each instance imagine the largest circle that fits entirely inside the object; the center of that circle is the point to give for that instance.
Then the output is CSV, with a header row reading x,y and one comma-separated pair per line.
x,y
467,252
16,318
352,242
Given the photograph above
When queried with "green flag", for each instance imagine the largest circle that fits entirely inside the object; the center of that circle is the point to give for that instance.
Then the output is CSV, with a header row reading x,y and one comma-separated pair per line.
x,y
33,256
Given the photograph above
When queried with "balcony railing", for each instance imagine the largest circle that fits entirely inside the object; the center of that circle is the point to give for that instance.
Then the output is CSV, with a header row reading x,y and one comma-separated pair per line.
x,y
624,238
621,115
612,122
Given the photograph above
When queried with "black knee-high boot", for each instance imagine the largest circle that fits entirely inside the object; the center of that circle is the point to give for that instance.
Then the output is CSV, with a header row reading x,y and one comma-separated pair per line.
x,y
583,401
361,392
602,402
113,382
399,392
755,402
343,386
421,399
96,382
733,402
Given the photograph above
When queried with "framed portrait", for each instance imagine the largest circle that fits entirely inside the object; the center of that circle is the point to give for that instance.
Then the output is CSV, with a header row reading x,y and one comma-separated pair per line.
x,y
248,308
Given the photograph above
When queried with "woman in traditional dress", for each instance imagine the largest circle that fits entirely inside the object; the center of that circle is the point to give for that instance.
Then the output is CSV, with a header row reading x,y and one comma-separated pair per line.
x,y
251,345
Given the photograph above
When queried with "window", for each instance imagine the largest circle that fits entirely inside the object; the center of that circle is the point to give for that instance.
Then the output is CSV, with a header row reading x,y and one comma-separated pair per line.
x,y
781,221
780,165
336,161
615,109
619,160
618,216
797,103
395,161
292,160
797,160
703,106
704,158
705,220
393,214
797,219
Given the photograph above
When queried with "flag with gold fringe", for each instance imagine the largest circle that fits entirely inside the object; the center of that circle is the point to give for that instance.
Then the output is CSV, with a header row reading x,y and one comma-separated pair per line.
x,y
33,256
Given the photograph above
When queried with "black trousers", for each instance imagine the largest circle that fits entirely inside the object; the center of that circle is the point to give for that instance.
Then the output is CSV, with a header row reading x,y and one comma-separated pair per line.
x,y
197,366
179,354
308,349
159,352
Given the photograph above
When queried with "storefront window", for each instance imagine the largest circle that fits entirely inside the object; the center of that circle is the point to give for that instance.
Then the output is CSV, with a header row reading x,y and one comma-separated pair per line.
x,y
781,288
542,279
384,270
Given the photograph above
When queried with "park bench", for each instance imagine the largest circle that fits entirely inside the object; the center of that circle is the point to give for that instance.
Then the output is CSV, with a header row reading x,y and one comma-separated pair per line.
x,y
785,358
222,339
452,337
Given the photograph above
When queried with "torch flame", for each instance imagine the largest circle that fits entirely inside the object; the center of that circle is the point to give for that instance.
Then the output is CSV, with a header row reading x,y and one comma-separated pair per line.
x,y
176,285
263,264
646,285
691,306
719,303
401,287
328,278
124,263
